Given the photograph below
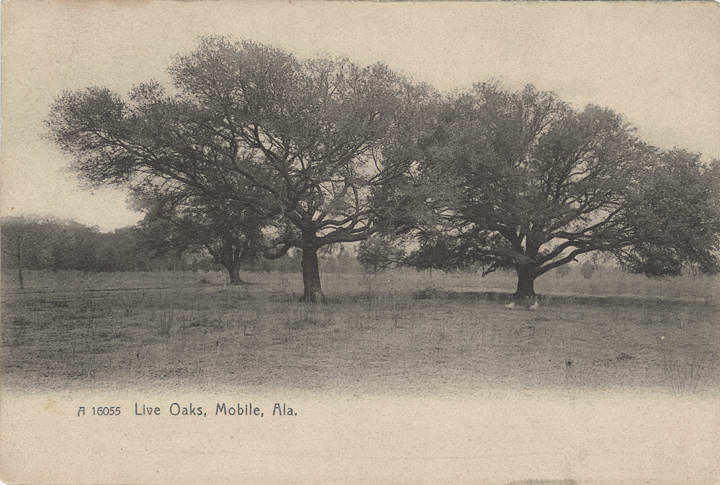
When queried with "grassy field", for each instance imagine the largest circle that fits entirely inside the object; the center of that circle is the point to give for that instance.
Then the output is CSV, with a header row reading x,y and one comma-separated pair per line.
x,y
176,329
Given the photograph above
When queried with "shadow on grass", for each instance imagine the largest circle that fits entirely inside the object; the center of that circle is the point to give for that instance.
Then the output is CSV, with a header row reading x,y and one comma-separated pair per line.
x,y
613,300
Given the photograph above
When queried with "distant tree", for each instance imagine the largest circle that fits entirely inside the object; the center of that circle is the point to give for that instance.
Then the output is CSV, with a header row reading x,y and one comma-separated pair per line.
x,y
587,269
53,244
231,235
21,241
521,180
46,243
345,260
377,254
118,251
72,245
296,141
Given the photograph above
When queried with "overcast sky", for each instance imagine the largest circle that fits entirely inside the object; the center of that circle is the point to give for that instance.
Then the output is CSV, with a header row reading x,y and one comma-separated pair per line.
x,y
657,63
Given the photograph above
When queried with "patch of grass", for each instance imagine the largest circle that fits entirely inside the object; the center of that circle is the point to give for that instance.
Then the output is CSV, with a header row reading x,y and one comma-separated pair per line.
x,y
165,320
373,334
305,322
21,321
684,369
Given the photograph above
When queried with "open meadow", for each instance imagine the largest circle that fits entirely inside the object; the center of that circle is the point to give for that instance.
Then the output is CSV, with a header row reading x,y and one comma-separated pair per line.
x,y
398,332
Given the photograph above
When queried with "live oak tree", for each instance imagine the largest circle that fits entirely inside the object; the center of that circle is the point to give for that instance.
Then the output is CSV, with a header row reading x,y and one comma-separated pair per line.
x,y
520,180
231,235
295,141
676,216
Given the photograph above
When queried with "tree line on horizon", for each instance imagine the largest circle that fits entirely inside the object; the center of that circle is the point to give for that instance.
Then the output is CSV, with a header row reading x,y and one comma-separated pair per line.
x,y
52,244
45,243
253,152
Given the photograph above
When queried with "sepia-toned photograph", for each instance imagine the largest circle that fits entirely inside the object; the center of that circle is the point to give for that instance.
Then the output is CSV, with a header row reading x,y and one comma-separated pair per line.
x,y
360,242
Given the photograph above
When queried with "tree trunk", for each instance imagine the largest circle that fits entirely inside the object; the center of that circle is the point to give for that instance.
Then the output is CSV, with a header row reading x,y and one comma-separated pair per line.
x,y
526,281
234,272
311,275
20,264
231,261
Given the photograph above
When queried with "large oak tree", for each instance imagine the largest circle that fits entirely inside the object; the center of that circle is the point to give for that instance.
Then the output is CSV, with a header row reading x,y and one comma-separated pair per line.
x,y
521,180
296,141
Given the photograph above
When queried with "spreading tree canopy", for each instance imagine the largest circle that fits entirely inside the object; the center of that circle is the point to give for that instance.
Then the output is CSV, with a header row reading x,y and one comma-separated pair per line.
x,y
521,180
295,141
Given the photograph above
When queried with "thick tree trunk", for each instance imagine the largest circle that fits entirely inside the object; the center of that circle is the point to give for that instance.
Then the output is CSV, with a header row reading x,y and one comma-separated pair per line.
x,y
234,272
230,258
526,281
311,275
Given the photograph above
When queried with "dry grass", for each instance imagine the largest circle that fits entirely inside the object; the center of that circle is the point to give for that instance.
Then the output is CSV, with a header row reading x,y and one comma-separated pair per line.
x,y
606,281
374,334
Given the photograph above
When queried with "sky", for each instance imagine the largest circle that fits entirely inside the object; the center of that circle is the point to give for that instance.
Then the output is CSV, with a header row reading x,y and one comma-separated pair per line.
x,y
656,63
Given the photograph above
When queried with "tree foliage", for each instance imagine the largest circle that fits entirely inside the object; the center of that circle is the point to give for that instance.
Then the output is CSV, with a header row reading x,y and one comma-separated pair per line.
x,y
294,141
676,215
231,235
521,180
51,244
254,149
